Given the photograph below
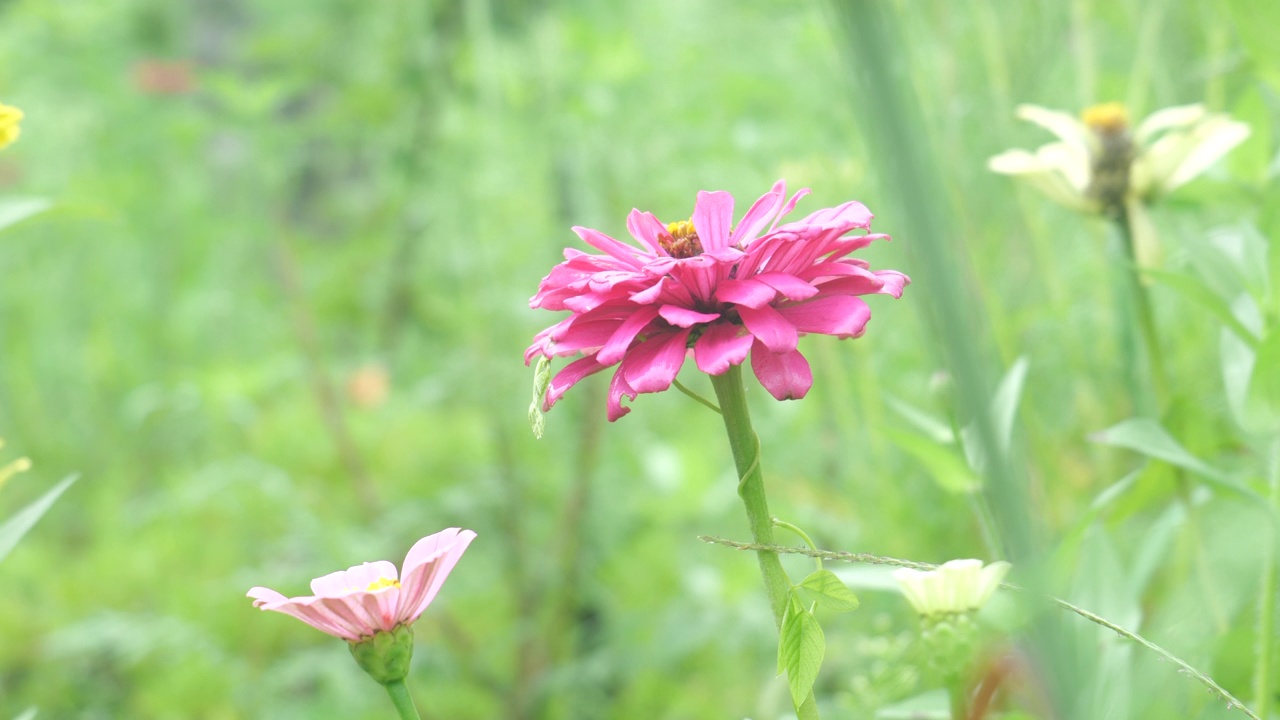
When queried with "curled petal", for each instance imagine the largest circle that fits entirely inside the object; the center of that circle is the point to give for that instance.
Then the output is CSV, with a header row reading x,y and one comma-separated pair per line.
x,y
568,377
426,567
749,293
618,387
785,375
838,315
654,363
618,343
684,317
712,218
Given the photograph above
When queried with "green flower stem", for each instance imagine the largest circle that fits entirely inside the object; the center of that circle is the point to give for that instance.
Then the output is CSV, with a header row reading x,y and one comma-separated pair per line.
x,y
1144,315
745,446
402,700
959,700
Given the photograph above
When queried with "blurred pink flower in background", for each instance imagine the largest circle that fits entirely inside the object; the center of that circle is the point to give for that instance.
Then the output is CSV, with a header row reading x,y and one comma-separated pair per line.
x,y
725,291
359,602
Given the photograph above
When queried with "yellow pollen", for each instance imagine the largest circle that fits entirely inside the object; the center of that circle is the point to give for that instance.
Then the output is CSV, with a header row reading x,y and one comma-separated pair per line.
x,y
681,229
1108,117
382,583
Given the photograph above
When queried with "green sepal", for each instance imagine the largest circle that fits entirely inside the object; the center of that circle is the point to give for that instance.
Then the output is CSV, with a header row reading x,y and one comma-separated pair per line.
x,y
824,588
386,655
801,646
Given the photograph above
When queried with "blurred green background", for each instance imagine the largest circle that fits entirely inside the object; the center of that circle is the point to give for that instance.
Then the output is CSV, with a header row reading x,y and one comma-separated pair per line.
x,y
276,314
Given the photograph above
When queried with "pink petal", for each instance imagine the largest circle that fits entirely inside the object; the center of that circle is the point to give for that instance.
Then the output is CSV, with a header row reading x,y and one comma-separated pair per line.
x,y
770,328
614,248
616,347
617,388
791,205
426,567
748,293
789,285
654,363
712,218
568,377
785,375
684,317
721,346
759,215
838,315
646,228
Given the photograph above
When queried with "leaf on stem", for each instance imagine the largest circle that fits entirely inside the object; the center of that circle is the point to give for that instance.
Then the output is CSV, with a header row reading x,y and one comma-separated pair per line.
x,y
824,588
801,646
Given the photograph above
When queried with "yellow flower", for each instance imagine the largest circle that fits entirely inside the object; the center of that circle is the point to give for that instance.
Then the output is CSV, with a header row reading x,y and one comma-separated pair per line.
x,y
1099,166
9,118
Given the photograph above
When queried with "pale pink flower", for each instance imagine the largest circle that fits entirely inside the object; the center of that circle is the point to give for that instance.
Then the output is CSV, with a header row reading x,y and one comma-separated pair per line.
x,y
706,286
361,601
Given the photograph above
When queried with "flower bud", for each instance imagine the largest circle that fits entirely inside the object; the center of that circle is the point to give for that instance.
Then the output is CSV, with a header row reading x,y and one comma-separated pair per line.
x,y
386,655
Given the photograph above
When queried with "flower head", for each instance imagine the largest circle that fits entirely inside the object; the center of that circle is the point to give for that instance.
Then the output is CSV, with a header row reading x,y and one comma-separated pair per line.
x,y
9,118
1098,165
362,601
955,587
706,285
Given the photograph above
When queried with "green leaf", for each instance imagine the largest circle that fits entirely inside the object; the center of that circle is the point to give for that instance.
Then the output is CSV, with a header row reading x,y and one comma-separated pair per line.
x,y
1148,437
1262,398
18,525
1197,292
824,588
947,468
15,210
937,430
1004,407
801,646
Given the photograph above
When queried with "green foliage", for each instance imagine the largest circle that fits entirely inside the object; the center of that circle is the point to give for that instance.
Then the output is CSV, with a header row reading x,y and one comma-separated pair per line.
x,y
196,313
801,646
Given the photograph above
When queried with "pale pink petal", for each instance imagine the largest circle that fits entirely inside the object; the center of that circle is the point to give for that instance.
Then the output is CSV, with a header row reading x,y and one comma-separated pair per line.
x,y
852,214
654,363
712,218
319,620
568,377
786,375
749,293
616,347
358,577
684,317
770,328
265,596
426,567
721,346
838,315
789,285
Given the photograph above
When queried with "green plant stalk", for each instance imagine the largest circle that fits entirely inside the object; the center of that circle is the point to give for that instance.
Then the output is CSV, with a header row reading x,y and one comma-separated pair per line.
x,y
1183,665
1144,315
745,446
1267,599
959,700
402,700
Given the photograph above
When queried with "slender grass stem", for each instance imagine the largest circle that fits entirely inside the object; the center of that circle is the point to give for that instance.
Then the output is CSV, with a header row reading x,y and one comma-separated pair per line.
x,y
403,700
746,457
866,558
1262,687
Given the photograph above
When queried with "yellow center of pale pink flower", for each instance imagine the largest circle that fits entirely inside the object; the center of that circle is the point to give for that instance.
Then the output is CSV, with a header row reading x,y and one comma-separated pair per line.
x,y
681,240
382,583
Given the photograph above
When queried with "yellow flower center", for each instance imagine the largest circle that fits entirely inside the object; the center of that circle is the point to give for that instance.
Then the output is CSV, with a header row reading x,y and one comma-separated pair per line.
x,y
1108,117
681,240
382,583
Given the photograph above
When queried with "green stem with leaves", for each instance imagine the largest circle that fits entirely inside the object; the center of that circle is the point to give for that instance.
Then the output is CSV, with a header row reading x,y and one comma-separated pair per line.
x,y
402,700
745,446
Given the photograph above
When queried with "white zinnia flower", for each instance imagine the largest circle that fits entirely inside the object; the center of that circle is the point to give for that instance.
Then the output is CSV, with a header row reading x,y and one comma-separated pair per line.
x,y
957,586
1098,166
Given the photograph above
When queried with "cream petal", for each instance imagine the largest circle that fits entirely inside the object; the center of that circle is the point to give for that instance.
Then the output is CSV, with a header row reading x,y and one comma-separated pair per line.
x,y
1210,141
1167,119
1065,126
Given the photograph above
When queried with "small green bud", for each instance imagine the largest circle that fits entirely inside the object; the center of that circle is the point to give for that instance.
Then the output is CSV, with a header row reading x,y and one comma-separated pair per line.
x,y
541,379
386,655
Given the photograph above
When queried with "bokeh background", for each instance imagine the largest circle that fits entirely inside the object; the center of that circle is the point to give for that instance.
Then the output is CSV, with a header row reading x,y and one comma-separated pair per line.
x,y
275,319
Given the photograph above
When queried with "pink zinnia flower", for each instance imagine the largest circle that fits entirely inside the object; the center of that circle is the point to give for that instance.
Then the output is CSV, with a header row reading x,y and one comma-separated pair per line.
x,y
703,284
359,602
